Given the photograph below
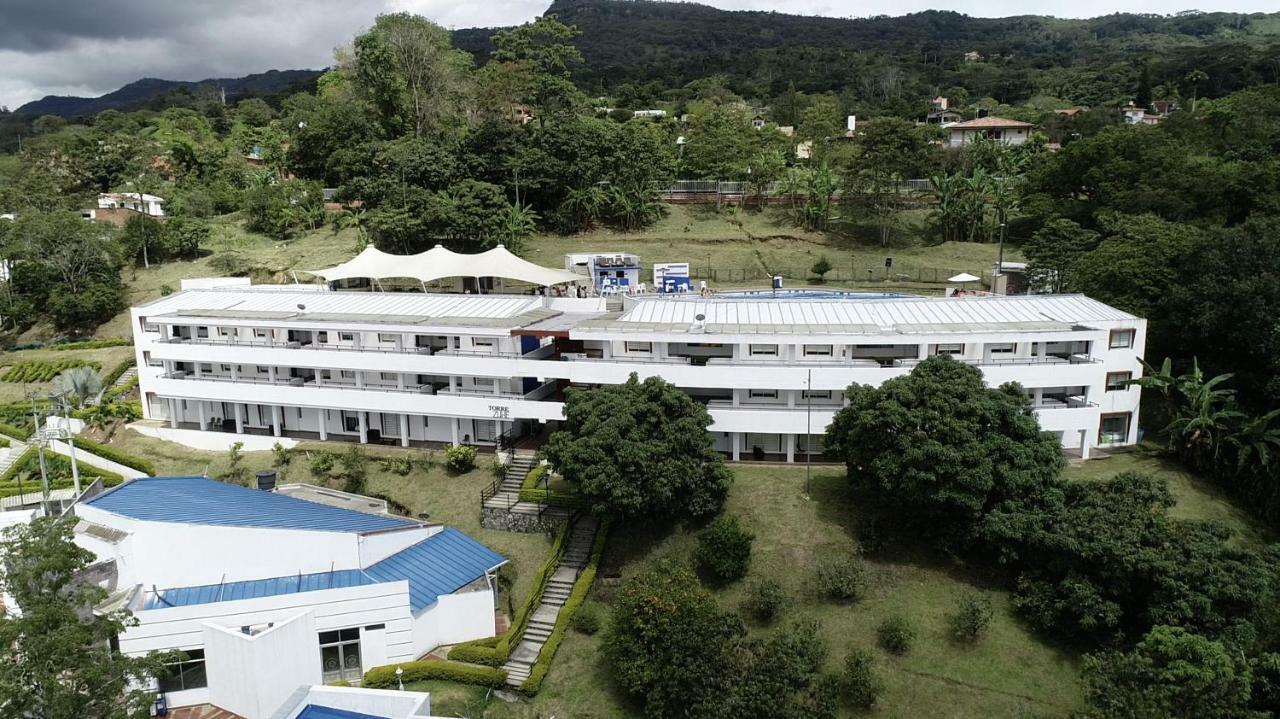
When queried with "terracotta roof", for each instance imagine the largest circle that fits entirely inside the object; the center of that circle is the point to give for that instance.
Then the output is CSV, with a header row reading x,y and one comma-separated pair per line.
x,y
989,122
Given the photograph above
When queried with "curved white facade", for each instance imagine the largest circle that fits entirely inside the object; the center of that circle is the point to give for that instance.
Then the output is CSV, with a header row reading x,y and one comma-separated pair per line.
x,y
412,368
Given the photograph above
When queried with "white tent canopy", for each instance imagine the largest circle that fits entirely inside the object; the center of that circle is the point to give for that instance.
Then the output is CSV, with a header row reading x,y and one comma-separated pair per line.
x,y
963,277
439,263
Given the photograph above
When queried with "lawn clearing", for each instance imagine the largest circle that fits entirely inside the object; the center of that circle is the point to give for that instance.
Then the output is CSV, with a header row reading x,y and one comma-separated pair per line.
x,y
1009,672
14,391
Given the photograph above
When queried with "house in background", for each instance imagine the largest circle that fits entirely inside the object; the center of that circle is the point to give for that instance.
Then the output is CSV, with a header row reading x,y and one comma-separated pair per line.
x,y
1009,132
1135,115
973,56
116,207
265,591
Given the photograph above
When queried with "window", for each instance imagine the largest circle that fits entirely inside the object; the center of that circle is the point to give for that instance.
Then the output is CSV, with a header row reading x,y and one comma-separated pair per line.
x,y
388,376
226,331
482,382
1114,428
206,368
186,674
261,333
150,327
263,370
476,342
348,374
324,374
226,368
346,337
1118,381
322,336
1120,339
350,421
202,332
645,347
817,350
340,656
1002,348
383,337
764,350
815,394
949,349
762,393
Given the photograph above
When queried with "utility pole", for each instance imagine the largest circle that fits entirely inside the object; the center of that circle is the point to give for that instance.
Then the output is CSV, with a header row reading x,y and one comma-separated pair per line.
x,y
71,442
808,433
44,470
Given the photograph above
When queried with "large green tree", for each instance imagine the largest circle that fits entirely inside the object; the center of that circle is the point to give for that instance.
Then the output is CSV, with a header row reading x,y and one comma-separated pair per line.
x,y
58,660
640,449
940,449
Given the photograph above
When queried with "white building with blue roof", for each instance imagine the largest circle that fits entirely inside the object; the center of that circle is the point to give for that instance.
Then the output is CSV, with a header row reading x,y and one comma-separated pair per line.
x,y
266,592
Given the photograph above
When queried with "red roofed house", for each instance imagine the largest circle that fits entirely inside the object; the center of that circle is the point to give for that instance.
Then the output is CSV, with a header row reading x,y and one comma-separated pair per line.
x,y
1010,132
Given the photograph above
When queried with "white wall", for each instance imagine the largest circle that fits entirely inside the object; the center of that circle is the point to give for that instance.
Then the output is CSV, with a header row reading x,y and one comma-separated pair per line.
x,y
455,618
253,675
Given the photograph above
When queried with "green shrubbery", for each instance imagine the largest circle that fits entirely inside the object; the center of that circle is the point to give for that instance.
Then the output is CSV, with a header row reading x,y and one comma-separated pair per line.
x,y
843,579
860,685
42,371
973,617
896,634
765,600
385,677
724,550
587,620
91,345
460,458
400,464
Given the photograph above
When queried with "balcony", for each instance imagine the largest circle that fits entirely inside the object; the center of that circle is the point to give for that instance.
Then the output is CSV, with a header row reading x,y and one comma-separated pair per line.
x,y
538,392
539,353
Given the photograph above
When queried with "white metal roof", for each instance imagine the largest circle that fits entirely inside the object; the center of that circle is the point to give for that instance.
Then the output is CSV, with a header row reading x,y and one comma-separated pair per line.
x,y
399,307
909,314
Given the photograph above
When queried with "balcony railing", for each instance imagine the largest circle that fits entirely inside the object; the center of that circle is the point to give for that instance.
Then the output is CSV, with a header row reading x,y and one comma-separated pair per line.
x,y
429,389
294,344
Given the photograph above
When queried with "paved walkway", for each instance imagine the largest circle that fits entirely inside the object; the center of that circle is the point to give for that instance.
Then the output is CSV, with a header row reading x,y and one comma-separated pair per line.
x,y
577,554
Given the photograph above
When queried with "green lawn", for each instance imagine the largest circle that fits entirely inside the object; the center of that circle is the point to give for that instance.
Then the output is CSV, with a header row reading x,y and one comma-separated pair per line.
x,y
453,500
1197,498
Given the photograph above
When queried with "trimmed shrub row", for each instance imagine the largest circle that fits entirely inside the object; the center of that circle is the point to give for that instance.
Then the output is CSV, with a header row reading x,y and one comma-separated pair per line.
x,y
18,433
115,455
59,468
384,677
90,344
577,596
494,651
41,371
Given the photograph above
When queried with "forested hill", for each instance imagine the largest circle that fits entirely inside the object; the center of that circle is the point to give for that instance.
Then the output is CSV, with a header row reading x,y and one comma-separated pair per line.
x,y
670,44
141,92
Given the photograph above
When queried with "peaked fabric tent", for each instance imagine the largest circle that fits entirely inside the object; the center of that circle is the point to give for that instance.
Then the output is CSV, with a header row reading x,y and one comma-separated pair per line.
x,y
439,263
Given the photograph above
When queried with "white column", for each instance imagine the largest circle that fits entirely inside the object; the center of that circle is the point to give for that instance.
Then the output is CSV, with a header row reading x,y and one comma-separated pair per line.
x,y
195,370
364,427
791,448
271,374
239,418
359,377
453,387
1084,444
400,381
737,397
323,416
791,397
173,413
235,373
1037,396
453,421
275,420
404,430
204,424
737,446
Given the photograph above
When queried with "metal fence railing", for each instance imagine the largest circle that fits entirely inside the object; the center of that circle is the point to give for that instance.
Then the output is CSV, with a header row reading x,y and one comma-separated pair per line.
x,y
853,273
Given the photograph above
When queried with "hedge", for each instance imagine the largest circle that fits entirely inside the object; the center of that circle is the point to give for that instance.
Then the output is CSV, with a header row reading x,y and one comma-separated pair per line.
x,y
529,492
384,677
59,467
534,476
4,442
495,651
21,434
42,371
115,455
113,391
90,344
577,596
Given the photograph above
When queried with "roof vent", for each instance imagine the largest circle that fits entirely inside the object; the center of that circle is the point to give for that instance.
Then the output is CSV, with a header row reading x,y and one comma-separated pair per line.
x,y
699,323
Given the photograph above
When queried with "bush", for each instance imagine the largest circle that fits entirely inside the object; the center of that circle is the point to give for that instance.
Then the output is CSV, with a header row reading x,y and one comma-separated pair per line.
x,y
843,579
92,345
765,600
115,455
724,550
534,476
282,455
475,654
859,684
587,620
896,634
460,459
385,677
400,464
353,470
19,433
322,463
41,371
972,619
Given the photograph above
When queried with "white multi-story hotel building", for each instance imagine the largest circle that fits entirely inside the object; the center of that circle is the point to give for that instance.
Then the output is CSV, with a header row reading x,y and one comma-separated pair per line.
x,y
411,368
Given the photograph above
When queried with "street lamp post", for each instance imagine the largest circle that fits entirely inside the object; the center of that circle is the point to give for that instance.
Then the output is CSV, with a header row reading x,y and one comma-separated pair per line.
x,y
400,677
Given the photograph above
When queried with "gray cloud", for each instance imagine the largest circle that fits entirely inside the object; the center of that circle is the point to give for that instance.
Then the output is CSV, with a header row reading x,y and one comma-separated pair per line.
x,y
90,47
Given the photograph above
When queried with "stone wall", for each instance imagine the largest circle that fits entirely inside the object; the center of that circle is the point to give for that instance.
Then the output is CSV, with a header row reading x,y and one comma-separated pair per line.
x,y
491,518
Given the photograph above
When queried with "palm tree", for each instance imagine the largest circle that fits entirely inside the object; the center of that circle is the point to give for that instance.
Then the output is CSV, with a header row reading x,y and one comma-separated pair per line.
x,y
1207,415
356,217
585,204
1194,78
82,383
518,224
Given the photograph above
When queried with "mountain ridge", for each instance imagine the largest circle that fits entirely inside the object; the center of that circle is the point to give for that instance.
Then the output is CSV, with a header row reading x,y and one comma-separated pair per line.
x,y
143,90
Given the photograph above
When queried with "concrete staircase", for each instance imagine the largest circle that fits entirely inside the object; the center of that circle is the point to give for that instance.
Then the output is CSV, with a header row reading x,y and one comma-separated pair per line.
x,y
577,554
507,498
126,377
16,448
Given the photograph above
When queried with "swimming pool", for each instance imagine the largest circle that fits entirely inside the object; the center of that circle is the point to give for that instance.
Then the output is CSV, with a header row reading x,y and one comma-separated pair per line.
x,y
806,295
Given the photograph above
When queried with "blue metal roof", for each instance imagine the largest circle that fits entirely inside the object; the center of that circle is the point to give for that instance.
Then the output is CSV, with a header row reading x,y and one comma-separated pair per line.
x,y
440,564
198,500
315,711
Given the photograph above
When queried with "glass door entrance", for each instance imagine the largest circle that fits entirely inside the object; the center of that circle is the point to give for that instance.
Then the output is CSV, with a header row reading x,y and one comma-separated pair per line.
x,y
340,656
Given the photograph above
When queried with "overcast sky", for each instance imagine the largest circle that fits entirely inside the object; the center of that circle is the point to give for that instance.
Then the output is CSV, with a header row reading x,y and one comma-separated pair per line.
x,y
91,47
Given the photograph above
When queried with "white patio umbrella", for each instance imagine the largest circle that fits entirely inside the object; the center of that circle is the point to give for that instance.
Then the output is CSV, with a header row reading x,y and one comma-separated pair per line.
x,y
964,278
